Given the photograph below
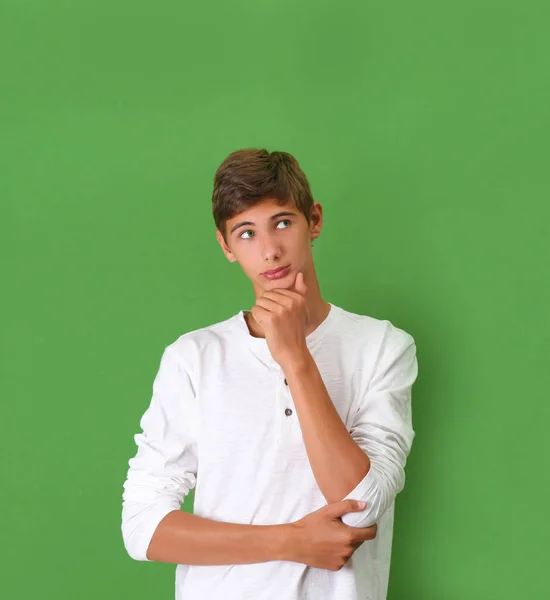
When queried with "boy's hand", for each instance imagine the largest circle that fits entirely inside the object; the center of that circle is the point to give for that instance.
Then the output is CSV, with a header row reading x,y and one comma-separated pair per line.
x,y
284,316
321,540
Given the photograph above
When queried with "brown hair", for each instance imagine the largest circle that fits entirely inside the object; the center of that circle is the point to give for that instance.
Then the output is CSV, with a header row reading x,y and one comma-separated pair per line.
x,y
249,175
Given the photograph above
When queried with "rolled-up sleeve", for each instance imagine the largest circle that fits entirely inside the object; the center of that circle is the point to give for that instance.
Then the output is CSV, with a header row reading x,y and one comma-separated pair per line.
x,y
164,469
383,429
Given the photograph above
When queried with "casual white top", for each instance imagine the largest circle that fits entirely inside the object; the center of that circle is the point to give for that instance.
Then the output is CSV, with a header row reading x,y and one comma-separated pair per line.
x,y
222,421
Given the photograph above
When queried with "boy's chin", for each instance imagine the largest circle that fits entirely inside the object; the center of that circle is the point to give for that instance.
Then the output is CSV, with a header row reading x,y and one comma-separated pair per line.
x,y
286,283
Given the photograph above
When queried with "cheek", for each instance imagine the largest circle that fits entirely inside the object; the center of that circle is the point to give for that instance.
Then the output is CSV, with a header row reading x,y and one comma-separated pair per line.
x,y
246,264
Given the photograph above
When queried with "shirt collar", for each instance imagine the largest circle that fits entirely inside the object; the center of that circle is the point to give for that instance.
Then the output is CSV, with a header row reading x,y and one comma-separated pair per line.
x,y
259,345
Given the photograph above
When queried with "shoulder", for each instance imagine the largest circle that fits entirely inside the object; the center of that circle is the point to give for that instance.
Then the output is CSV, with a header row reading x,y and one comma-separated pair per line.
x,y
191,345
379,333
382,354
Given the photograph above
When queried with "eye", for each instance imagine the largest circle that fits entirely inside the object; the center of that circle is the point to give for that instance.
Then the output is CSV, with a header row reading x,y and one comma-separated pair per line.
x,y
243,237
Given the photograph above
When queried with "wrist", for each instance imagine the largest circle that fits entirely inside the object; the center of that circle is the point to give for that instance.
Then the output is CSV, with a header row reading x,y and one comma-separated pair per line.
x,y
288,542
297,362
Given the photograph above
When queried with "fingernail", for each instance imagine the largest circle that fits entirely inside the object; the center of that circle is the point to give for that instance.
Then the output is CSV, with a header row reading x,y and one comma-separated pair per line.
x,y
362,504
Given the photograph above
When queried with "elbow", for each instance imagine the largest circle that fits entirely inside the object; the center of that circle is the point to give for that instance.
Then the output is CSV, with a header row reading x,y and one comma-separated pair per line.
x,y
133,550
135,531
147,498
378,489
139,524
140,519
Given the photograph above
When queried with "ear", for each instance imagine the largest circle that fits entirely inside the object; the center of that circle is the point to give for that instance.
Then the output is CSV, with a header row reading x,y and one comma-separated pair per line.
x,y
225,248
316,220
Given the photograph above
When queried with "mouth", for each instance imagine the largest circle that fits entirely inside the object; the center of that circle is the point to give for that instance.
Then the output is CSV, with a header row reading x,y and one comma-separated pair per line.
x,y
277,273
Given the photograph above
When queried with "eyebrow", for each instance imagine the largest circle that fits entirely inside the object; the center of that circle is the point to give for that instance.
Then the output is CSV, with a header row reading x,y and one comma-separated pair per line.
x,y
272,218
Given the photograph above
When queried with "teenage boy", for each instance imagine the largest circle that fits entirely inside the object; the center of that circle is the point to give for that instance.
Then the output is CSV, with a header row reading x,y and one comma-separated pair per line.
x,y
282,419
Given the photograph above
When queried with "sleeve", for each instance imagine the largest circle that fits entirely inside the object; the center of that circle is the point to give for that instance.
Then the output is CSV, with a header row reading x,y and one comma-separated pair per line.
x,y
164,469
383,429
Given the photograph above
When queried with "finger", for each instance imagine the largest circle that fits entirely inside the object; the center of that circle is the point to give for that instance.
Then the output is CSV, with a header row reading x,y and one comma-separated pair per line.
x,y
366,533
269,304
299,284
259,313
344,506
360,534
279,298
285,292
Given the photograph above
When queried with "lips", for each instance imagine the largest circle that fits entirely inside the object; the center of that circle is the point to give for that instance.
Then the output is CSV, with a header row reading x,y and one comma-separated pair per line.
x,y
277,273
274,271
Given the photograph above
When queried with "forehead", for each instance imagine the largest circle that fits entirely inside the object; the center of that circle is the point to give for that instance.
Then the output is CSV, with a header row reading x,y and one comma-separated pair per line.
x,y
263,209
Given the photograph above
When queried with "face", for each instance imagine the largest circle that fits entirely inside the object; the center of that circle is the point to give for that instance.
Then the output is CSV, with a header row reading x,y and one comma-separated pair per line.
x,y
269,236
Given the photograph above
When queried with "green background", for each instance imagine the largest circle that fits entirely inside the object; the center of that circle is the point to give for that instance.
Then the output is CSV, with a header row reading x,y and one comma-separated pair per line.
x,y
423,128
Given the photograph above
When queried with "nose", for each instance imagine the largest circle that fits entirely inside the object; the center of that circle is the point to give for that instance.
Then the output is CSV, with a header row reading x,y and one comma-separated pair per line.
x,y
271,249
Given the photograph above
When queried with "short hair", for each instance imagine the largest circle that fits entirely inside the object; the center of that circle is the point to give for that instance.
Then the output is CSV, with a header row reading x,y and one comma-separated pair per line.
x,y
249,175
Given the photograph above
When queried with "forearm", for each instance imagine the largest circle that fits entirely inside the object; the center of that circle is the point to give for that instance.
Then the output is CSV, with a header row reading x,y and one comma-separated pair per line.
x,y
337,462
187,539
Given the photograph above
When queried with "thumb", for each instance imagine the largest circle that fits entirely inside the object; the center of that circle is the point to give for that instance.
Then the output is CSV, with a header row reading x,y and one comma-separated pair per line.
x,y
345,506
299,284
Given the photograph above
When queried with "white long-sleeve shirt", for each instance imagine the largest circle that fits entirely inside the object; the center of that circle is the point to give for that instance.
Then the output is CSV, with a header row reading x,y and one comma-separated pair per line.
x,y
222,421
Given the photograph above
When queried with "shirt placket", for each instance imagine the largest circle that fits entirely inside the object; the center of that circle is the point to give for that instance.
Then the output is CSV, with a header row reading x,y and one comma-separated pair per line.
x,y
285,408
